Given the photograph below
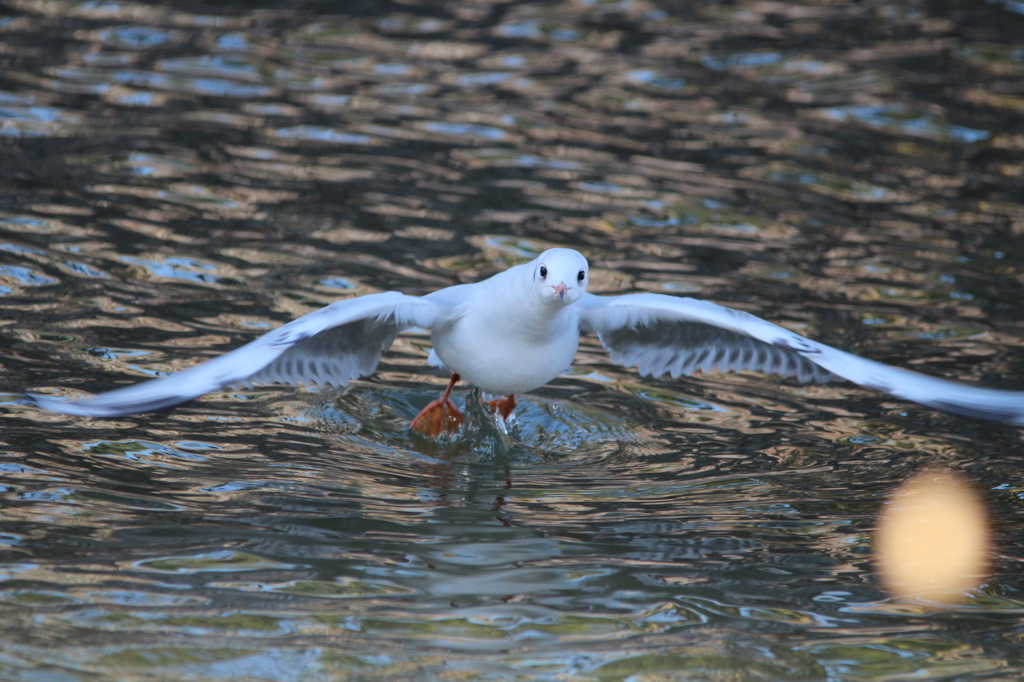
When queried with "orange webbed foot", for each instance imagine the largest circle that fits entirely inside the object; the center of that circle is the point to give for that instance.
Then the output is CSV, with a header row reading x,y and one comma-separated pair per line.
x,y
503,406
439,416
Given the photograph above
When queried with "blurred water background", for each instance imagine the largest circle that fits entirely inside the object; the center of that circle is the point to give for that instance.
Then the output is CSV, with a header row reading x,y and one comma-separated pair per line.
x,y
178,178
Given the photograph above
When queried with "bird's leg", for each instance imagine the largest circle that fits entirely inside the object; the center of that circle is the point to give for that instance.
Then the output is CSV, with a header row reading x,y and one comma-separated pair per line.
x,y
439,416
503,406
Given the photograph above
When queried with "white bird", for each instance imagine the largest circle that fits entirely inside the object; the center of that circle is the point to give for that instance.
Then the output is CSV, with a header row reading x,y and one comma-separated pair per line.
x,y
518,330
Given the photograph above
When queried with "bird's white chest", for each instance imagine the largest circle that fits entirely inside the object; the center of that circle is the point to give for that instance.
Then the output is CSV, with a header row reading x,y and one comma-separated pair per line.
x,y
503,354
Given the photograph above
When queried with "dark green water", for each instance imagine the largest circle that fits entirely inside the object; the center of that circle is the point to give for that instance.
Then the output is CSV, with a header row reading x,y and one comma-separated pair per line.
x,y
178,178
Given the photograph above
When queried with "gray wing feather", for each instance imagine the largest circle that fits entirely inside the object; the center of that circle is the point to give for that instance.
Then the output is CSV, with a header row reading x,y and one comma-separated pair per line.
x,y
332,345
682,348
662,334
334,356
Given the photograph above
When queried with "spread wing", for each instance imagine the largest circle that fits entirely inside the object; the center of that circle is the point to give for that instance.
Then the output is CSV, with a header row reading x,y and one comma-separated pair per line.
x,y
659,334
332,345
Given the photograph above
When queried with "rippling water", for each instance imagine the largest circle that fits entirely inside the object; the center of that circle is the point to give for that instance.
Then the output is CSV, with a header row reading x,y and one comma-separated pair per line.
x,y
179,178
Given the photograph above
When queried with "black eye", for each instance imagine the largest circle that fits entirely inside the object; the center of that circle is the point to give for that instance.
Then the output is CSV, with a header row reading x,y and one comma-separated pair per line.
x,y
543,272
581,276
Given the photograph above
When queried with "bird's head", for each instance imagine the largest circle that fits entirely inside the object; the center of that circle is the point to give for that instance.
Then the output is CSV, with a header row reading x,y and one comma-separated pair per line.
x,y
561,276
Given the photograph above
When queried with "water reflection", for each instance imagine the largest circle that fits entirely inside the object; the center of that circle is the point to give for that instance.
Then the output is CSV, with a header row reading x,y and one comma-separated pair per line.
x,y
178,180
902,119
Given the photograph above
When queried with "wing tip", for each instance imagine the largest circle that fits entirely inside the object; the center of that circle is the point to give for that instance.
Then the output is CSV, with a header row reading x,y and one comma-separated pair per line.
x,y
93,407
50,404
1005,415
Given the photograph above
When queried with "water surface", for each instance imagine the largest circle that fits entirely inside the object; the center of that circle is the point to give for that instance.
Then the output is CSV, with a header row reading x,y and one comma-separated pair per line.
x,y
180,178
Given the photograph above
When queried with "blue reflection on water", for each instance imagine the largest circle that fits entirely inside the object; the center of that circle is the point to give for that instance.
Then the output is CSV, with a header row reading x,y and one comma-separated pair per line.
x,y
899,118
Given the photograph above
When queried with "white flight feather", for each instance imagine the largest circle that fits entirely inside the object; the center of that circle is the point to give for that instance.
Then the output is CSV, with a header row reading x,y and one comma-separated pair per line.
x,y
314,348
608,315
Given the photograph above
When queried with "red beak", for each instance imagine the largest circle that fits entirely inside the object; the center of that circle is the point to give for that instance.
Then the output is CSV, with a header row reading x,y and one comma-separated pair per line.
x,y
561,289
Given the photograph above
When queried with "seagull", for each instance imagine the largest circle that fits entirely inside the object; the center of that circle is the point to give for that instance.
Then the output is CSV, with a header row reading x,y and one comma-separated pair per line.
x,y
518,330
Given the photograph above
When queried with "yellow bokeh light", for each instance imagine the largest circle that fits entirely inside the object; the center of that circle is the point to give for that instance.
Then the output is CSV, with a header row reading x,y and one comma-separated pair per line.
x,y
932,539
